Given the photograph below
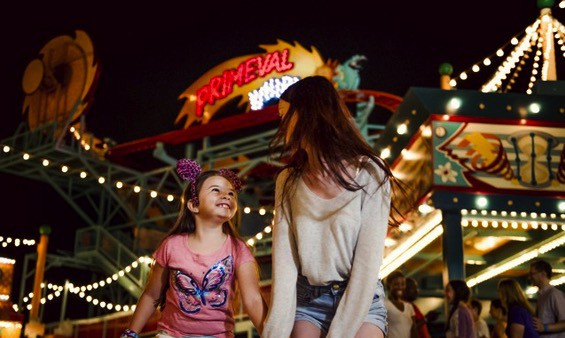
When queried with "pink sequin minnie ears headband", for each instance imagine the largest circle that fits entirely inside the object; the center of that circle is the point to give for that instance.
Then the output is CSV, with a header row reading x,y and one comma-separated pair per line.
x,y
189,171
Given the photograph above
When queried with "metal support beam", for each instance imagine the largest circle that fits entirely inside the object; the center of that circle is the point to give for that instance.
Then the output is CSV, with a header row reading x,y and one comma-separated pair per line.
x,y
452,242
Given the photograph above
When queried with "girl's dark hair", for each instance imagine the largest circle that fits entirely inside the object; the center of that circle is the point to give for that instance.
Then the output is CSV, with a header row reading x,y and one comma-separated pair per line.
x,y
411,290
462,293
497,303
325,124
186,223
392,276
476,304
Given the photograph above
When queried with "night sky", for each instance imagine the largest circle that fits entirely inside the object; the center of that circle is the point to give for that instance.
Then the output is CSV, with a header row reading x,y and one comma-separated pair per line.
x,y
150,54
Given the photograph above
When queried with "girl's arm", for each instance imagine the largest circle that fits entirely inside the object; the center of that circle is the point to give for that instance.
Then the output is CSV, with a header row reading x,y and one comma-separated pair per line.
x,y
158,278
253,302
516,330
499,328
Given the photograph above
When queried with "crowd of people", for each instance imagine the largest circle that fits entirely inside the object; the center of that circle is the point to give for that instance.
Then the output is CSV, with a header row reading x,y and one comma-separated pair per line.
x,y
333,207
512,315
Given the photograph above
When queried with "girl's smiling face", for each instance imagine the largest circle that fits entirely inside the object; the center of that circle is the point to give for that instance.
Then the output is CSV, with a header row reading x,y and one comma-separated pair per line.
x,y
218,199
397,287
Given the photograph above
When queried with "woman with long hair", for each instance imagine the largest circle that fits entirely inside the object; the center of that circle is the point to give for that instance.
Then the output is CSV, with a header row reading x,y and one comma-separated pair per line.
x,y
520,320
332,208
460,322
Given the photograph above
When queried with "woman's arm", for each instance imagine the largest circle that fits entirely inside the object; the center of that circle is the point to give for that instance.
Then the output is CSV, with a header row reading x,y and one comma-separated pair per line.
x,y
516,330
282,307
367,261
147,303
253,302
499,328
465,322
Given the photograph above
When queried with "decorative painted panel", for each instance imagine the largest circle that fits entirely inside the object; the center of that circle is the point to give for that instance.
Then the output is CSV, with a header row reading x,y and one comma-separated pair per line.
x,y
496,156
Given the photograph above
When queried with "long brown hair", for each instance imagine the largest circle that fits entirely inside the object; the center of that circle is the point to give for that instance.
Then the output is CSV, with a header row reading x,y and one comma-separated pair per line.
x,y
511,294
323,123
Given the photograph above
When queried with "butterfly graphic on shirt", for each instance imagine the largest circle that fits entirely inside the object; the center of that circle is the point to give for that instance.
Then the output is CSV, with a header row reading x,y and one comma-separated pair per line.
x,y
211,292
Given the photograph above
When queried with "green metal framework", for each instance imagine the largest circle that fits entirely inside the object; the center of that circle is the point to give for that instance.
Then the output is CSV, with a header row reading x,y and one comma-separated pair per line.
x,y
105,244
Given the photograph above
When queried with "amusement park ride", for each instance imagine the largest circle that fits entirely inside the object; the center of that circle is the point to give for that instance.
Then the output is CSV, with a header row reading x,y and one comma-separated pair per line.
x,y
487,167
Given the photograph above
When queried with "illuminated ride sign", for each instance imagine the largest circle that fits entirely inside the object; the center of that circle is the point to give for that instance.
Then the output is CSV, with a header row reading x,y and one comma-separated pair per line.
x,y
249,70
251,82
259,76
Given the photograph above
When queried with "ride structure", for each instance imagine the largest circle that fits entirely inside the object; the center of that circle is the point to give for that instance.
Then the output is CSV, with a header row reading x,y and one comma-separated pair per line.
x,y
127,194
489,167
486,167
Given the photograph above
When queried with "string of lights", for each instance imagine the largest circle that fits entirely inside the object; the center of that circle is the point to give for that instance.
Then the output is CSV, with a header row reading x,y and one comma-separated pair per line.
x,y
512,220
81,290
7,240
535,44
83,174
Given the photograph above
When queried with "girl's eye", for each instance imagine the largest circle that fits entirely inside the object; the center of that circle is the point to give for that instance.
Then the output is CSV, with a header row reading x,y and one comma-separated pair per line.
x,y
215,190
231,193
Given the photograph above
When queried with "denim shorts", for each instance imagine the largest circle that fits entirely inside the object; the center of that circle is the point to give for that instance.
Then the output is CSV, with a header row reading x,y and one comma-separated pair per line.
x,y
318,304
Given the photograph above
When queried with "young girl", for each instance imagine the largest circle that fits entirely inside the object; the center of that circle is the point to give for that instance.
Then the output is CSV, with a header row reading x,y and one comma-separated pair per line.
x,y
498,313
460,322
332,207
193,279
480,324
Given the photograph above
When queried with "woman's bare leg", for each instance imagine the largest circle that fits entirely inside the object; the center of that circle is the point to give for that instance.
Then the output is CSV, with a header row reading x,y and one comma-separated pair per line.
x,y
305,329
369,331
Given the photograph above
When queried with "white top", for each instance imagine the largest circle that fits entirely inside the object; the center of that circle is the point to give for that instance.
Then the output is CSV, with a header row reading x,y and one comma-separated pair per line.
x,y
482,328
399,322
331,240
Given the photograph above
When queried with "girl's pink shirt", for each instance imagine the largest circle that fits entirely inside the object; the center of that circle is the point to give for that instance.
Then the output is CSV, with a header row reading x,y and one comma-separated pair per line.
x,y
201,287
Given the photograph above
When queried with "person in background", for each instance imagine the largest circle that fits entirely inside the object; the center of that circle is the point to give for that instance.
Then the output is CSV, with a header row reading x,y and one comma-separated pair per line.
x,y
498,313
480,323
200,264
550,308
400,314
332,208
520,319
411,293
459,323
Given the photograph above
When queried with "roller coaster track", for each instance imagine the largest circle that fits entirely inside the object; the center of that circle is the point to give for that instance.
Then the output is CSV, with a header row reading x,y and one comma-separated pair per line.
x,y
118,153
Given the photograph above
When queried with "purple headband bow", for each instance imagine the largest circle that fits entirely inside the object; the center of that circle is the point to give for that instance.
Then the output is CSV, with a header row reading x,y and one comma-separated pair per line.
x,y
189,171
